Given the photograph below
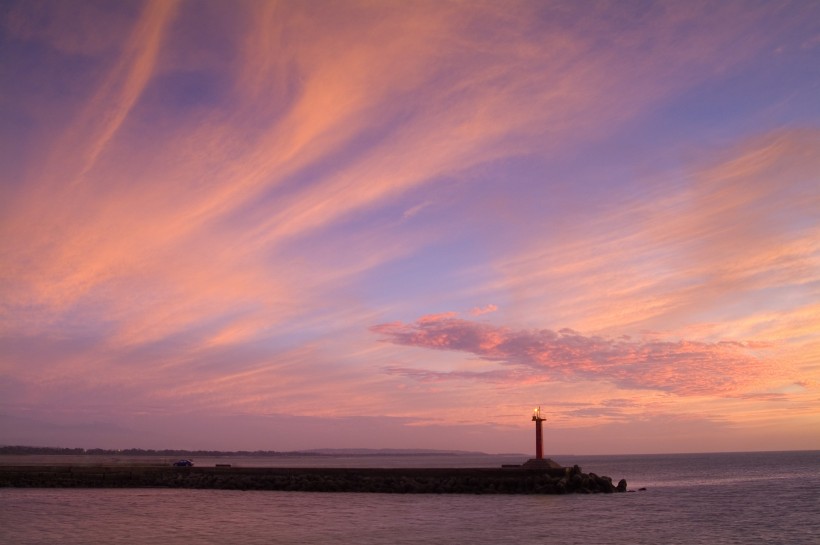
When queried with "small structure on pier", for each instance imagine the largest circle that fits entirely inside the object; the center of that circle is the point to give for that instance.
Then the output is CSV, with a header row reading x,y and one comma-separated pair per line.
x,y
539,462
539,438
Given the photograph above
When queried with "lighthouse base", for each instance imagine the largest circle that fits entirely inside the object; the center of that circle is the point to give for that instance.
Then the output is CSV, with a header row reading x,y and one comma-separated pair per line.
x,y
542,463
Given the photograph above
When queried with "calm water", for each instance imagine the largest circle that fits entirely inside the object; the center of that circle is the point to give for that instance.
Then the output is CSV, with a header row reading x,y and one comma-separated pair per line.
x,y
690,499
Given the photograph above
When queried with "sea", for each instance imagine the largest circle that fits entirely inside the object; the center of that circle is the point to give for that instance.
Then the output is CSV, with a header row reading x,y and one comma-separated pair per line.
x,y
687,499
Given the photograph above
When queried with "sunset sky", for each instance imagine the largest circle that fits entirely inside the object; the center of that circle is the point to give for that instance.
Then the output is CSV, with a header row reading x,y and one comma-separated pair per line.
x,y
404,224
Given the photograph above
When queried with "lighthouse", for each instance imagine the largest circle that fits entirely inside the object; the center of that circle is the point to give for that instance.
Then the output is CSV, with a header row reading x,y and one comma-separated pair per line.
x,y
539,462
539,438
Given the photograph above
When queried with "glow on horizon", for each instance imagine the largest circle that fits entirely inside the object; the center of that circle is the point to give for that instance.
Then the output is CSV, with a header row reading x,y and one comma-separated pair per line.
x,y
265,225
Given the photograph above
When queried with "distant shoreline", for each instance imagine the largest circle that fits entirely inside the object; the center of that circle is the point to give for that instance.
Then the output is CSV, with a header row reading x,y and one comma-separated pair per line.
x,y
17,450
304,460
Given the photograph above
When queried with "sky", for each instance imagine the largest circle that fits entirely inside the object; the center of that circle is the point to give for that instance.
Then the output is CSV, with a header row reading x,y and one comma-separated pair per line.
x,y
260,225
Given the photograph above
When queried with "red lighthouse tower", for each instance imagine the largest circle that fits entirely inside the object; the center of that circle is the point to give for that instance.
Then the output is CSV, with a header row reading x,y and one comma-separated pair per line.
x,y
539,462
539,438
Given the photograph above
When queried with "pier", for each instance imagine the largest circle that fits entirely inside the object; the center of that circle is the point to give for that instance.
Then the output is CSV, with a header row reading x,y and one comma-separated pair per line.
x,y
517,480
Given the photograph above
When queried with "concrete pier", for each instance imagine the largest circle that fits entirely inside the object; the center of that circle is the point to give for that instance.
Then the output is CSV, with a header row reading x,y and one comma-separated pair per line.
x,y
383,480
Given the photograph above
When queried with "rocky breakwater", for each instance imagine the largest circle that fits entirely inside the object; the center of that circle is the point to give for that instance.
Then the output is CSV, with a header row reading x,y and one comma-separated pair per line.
x,y
382,480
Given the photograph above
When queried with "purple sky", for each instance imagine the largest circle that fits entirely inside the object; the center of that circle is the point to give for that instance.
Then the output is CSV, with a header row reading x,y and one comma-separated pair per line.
x,y
264,225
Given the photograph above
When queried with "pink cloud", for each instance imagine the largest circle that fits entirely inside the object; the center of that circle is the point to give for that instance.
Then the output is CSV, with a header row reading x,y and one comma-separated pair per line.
x,y
205,204
710,246
478,311
683,367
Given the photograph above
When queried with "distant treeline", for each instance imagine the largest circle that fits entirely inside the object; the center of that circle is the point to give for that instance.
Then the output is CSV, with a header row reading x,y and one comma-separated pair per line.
x,y
16,449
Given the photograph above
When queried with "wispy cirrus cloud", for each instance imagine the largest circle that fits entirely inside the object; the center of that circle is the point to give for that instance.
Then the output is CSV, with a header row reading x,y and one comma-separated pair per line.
x,y
206,204
683,367
715,241
193,215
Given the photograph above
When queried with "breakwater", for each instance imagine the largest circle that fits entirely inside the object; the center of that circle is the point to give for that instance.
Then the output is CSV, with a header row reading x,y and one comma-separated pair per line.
x,y
382,480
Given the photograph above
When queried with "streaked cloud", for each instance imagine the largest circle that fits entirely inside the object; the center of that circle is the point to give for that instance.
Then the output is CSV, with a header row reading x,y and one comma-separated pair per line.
x,y
206,206
715,238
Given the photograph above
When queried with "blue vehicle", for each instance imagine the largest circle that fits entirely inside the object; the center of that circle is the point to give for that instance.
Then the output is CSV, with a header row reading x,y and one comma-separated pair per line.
x,y
183,463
